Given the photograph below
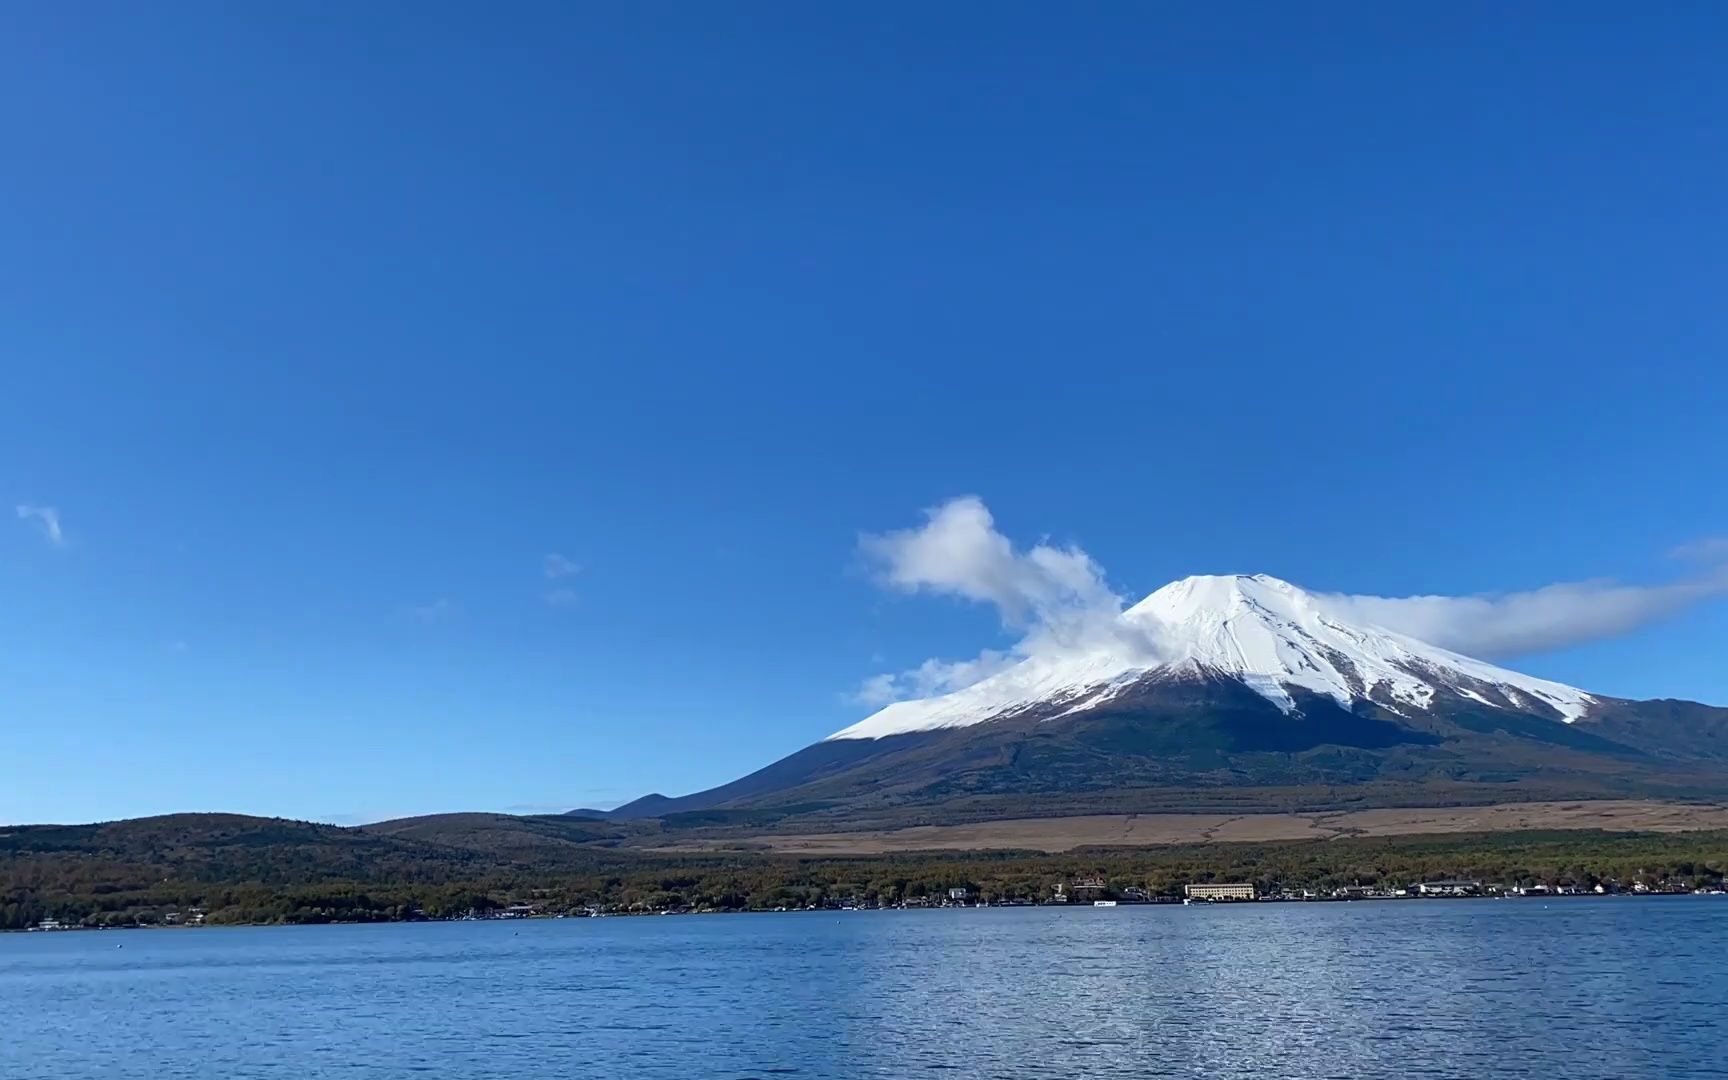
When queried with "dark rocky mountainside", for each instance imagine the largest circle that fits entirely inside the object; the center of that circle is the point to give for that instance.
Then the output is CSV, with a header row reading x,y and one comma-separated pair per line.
x,y
1213,743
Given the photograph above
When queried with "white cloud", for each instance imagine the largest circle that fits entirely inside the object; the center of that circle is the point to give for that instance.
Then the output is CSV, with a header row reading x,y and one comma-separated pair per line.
x,y
556,566
46,518
1056,597
958,552
1500,626
878,690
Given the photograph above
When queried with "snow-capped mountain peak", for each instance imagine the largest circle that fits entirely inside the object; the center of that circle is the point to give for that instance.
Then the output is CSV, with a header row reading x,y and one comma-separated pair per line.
x,y
1267,633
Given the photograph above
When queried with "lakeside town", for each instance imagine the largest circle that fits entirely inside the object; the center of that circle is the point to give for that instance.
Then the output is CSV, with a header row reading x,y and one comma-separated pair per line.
x,y
1082,892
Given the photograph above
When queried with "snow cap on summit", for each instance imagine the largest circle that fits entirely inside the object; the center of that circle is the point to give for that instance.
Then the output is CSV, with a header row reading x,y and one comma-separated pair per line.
x,y
1266,633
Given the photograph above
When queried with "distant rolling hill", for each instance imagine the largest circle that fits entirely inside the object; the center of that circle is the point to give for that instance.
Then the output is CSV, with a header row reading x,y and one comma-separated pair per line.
x,y
504,836
234,847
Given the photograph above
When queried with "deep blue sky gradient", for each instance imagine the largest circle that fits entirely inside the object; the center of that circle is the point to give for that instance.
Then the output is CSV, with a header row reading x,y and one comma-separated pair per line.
x,y
322,325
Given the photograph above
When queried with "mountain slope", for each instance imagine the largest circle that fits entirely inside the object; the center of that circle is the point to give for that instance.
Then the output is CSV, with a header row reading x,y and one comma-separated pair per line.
x,y
1240,690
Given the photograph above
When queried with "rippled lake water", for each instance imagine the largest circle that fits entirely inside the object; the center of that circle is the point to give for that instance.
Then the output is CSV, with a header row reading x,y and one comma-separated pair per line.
x,y
1609,987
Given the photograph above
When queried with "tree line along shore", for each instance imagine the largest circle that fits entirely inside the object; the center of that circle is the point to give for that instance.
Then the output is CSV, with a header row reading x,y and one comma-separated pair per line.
x,y
252,883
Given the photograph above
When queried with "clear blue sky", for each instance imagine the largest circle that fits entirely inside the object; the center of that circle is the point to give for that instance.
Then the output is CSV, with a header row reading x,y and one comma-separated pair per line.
x,y
322,326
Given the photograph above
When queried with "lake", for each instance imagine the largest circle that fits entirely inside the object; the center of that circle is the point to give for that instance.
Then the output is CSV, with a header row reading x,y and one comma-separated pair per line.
x,y
1607,987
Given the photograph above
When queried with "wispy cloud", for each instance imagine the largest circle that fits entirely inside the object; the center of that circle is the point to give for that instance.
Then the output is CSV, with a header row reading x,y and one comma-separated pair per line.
x,y
45,518
931,678
1711,549
1504,625
1058,600
556,566
876,691
439,610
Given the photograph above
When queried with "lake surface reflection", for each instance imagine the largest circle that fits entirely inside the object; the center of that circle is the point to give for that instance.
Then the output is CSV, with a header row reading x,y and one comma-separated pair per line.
x,y
1606,987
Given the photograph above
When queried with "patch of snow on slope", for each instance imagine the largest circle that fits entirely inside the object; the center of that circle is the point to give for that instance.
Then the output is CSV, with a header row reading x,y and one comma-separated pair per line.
x,y
1267,633
1077,680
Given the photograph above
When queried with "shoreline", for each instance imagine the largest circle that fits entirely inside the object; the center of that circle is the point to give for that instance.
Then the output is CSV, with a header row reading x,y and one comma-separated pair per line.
x,y
240,881
1074,906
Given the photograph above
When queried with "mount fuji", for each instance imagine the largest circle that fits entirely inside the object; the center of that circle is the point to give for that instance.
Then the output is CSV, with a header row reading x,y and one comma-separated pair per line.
x,y
1260,631
1231,691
